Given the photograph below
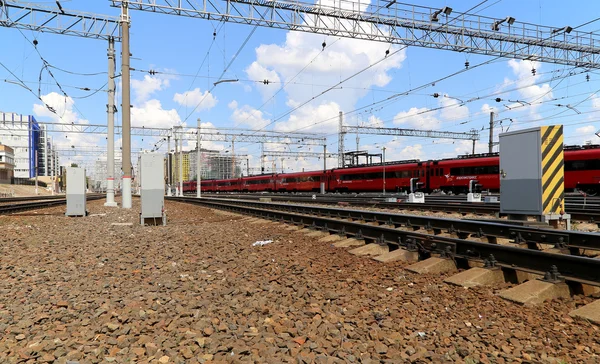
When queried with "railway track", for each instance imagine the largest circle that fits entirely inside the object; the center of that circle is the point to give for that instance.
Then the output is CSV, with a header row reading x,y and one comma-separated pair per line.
x,y
411,233
579,212
47,201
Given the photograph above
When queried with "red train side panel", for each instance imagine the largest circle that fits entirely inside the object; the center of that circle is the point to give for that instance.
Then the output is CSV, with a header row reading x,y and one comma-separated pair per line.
x,y
397,177
258,183
300,182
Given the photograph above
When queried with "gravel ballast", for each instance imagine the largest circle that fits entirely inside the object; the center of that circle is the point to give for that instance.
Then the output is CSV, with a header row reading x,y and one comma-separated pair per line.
x,y
82,290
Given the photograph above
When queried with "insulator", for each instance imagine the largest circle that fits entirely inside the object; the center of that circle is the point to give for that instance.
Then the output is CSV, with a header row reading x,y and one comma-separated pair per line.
x,y
467,64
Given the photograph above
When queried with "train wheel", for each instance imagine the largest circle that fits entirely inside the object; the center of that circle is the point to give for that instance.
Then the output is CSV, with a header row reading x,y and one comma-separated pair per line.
x,y
591,191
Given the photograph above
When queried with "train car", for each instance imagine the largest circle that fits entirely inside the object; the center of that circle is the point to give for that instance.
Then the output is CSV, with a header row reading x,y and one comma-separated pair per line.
x,y
365,179
454,175
189,186
261,183
300,182
209,185
582,168
228,185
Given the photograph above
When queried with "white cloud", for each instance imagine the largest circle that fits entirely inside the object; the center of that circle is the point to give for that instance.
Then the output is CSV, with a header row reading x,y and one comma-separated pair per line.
x,y
319,119
151,115
259,73
527,90
595,101
197,99
310,70
144,88
248,116
488,108
453,109
63,107
585,129
419,118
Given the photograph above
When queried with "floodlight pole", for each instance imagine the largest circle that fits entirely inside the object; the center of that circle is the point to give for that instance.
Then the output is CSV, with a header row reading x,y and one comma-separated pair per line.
x,y
110,145
126,106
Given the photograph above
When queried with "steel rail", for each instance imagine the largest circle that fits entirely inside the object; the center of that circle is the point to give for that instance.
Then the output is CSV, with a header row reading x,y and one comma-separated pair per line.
x,y
30,198
531,236
573,268
577,211
10,209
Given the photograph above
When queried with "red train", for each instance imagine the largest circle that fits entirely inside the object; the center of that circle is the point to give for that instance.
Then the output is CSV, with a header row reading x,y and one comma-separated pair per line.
x,y
582,172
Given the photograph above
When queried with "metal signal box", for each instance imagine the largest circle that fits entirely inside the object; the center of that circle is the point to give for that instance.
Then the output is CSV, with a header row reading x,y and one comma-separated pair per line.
x,y
532,172
76,187
152,183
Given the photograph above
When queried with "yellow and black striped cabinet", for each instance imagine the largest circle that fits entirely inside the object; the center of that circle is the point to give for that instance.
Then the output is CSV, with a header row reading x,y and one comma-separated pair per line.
x,y
532,171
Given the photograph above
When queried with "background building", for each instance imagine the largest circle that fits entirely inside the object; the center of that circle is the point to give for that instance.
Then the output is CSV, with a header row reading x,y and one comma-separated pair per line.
x,y
214,165
7,163
101,173
30,144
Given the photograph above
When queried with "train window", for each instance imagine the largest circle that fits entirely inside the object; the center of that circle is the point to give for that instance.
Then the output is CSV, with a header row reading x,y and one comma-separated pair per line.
x,y
258,181
472,171
582,165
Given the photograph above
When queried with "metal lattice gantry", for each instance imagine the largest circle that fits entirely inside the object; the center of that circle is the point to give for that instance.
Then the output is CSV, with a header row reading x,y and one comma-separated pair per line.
x,y
208,134
252,136
398,23
283,153
39,18
470,135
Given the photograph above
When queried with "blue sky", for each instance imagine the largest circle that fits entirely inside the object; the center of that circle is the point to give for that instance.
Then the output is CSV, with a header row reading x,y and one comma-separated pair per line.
x,y
176,46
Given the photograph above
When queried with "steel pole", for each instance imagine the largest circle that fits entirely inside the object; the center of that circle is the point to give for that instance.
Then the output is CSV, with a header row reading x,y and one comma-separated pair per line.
x,y
52,172
36,172
45,152
383,170
169,167
199,163
126,106
181,161
110,145
491,142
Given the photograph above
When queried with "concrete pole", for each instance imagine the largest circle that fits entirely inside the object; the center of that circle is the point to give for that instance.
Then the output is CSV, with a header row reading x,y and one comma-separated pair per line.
x,y
176,165
110,144
199,163
181,161
324,157
262,158
45,152
233,157
36,172
169,171
126,106
491,142
52,172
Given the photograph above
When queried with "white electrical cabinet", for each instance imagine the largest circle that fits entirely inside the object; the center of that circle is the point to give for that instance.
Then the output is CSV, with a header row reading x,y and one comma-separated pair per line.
x,y
152,183
76,186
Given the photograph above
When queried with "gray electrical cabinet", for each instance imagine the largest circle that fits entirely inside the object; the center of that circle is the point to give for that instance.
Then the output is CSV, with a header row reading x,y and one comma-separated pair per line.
x,y
152,183
532,172
76,186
